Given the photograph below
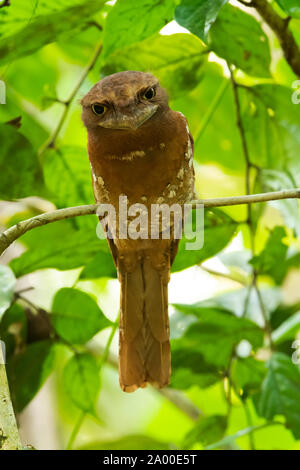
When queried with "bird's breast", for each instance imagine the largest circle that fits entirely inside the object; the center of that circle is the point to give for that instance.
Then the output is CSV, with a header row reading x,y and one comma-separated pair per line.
x,y
146,170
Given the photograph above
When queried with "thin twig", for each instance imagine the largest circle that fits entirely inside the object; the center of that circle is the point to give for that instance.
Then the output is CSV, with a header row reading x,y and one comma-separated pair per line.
x,y
247,4
176,397
25,289
95,24
247,297
250,425
19,296
16,231
230,277
280,27
105,354
229,385
76,430
181,402
6,3
241,130
246,154
249,198
211,109
243,432
248,189
263,310
51,142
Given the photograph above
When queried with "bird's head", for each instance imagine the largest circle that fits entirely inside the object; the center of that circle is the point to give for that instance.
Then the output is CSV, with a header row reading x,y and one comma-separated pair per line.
x,y
124,100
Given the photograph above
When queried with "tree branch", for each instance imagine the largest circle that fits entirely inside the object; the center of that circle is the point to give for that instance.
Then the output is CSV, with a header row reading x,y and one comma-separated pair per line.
x,y
280,27
16,231
9,436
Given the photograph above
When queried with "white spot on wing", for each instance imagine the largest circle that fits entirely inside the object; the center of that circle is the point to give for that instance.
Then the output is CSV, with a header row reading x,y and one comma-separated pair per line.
x,y
180,174
100,181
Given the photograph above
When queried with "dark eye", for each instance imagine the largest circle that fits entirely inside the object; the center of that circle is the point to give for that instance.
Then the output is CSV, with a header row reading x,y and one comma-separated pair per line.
x,y
98,109
150,93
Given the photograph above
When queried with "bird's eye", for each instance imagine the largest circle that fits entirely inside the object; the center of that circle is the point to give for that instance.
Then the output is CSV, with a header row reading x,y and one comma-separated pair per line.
x,y
149,94
98,109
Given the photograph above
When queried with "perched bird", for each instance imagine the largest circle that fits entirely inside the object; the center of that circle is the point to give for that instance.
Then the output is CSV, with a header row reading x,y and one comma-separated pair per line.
x,y
138,147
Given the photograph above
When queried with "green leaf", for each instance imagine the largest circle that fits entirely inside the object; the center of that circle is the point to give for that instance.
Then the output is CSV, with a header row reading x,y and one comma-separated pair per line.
x,y
273,257
20,171
272,126
100,266
198,15
178,55
60,248
13,328
280,394
238,38
31,127
67,175
24,28
219,229
292,261
189,369
247,375
208,430
290,7
81,48
81,381
131,442
128,24
21,86
245,303
237,260
28,371
287,330
7,285
282,312
230,441
216,334
184,378
76,316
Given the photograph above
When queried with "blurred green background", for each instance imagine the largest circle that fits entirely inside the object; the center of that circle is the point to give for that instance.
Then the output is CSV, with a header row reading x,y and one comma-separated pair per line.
x,y
234,305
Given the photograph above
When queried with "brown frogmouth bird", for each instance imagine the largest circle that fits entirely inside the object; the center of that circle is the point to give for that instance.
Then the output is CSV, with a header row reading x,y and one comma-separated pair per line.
x,y
138,147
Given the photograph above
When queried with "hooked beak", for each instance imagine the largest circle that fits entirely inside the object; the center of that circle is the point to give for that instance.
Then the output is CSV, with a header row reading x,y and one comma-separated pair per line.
x,y
133,120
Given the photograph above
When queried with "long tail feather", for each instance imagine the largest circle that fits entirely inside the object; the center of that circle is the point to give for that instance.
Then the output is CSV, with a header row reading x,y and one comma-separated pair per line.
x,y
144,328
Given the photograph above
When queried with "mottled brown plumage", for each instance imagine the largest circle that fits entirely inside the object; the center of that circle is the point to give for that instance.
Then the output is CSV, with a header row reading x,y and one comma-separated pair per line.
x,y
140,148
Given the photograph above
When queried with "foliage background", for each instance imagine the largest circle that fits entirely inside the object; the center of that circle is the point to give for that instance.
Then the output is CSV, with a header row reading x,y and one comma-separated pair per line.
x,y
235,303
